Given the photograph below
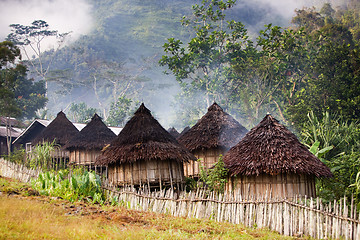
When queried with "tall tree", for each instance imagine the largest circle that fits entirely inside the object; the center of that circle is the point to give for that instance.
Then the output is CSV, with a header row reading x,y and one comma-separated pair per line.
x,y
223,62
80,112
31,39
19,96
331,79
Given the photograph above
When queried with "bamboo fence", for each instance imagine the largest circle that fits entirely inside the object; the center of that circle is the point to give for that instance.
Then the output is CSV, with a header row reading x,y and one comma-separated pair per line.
x,y
295,217
292,217
17,171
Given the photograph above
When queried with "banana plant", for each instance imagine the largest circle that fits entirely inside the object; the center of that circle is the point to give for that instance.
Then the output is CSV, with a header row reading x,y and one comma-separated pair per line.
x,y
314,149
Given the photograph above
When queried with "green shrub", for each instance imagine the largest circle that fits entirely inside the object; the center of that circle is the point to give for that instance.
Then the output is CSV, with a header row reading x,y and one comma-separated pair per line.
x,y
213,179
81,185
18,156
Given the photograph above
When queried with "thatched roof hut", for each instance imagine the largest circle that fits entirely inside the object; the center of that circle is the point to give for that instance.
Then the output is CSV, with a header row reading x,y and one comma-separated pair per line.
x,y
144,153
187,128
214,134
88,143
173,132
271,159
60,129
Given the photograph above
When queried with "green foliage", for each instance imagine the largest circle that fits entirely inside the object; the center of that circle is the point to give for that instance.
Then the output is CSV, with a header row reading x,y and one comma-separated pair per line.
x,y
190,184
330,76
41,155
80,112
336,142
213,179
29,95
331,130
8,53
222,64
120,111
17,156
314,149
80,185
20,96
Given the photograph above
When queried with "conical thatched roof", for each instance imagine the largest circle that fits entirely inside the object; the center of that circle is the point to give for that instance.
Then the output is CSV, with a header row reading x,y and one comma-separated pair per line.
x,y
271,148
95,135
60,129
173,132
187,128
215,129
143,138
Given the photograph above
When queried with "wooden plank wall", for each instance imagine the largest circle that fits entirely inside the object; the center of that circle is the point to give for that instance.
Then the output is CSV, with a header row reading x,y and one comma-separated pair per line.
x,y
278,186
83,157
150,173
208,158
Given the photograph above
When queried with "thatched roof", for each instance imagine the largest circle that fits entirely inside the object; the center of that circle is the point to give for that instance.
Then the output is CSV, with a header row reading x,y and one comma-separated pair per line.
x,y
173,132
60,129
95,135
187,128
143,138
215,129
271,148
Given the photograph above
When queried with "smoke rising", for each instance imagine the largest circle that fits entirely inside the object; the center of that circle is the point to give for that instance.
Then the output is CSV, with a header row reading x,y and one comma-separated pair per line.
x,y
62,15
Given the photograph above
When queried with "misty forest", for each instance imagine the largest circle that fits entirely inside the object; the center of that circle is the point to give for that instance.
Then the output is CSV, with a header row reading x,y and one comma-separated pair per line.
x,y
179,57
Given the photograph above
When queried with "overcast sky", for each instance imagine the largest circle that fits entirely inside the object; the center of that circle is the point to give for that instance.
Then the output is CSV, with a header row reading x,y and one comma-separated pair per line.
x,y
61,15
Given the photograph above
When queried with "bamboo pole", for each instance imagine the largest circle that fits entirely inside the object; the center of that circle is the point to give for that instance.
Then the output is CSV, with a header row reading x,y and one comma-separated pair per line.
x,y
147,175
170,173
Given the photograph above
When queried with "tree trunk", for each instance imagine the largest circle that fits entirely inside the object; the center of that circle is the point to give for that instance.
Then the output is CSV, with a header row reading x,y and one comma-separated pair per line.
x,y
8,134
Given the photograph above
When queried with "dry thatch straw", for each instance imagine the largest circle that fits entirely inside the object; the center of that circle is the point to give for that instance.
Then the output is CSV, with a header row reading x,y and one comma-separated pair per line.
x,y
216,129
60,129
143,138
173,132
95,135
271,148
187,128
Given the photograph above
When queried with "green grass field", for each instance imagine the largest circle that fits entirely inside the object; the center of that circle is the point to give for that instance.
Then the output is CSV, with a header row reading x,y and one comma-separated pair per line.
x,y
23,215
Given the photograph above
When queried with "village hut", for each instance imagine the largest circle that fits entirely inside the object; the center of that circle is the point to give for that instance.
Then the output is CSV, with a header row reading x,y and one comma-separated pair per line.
x,y
29,134
59,131
88,143
174,132
212,136
8,134
10,129
145,154
187,128
271,162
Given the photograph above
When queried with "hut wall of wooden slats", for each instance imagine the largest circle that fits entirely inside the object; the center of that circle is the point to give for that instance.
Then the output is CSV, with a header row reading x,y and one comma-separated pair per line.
x,y
276,186
208,157
150,173
83,157
59,153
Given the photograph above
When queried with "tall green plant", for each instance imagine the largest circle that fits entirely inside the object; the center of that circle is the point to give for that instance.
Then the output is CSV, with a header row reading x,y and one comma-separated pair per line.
x,y
331,130
214,179
41,156
336,142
